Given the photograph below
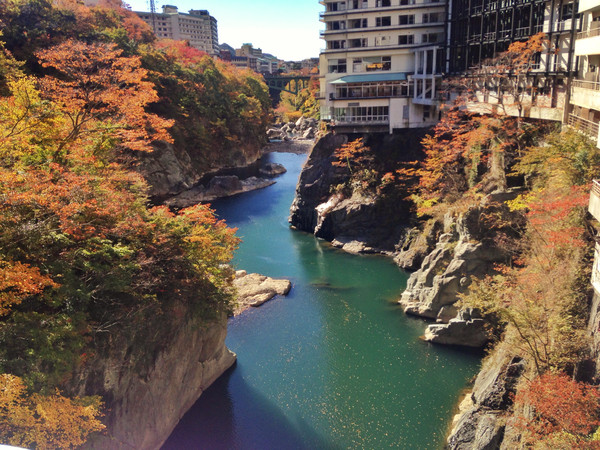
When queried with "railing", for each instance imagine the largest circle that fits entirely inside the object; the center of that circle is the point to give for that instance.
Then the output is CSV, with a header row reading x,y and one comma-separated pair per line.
x,y
596,188
589,33
347,10
522,31
585,126
592,85
369,120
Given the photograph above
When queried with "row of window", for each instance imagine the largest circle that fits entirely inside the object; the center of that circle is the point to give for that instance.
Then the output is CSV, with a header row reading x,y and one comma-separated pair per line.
x,y
363,4
362,114
386,21
383,41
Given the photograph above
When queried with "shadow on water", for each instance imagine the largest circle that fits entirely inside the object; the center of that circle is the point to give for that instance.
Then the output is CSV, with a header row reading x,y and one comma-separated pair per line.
x,y
211,423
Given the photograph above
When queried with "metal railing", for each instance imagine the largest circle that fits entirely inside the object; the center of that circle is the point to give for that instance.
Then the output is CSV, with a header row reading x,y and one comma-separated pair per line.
x,y
585,126
589,33
596,188
591,85
370,120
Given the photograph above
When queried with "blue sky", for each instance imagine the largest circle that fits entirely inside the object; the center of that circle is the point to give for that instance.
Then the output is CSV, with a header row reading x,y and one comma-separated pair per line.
x,y
288,29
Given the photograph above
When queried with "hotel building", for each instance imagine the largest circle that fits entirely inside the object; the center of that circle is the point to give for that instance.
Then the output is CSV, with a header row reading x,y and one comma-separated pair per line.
x,y
382,63
585,91
197,27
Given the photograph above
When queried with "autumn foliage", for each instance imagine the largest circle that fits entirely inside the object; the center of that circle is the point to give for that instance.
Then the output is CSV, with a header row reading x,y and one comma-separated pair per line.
x,y
84,260
45,421
564,411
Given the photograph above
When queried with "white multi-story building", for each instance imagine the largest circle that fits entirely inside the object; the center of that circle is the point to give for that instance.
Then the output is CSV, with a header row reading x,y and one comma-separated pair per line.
x,y
585,91
381,68
197,27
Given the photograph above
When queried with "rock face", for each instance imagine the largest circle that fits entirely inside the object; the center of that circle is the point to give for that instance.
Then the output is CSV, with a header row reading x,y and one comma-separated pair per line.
x,y
254,289
467,329
363,221
357,224
482,421
147,395
316,179
171,170
465,250
218,187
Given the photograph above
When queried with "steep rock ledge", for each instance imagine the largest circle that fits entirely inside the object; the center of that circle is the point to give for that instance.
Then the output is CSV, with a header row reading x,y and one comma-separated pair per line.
x,y
171,169
361,222
148,391
467,248
316,180
483,421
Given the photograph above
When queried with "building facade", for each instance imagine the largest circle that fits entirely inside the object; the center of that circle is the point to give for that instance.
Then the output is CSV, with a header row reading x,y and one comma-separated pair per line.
x,y
585,87
197,27
479,30
382,63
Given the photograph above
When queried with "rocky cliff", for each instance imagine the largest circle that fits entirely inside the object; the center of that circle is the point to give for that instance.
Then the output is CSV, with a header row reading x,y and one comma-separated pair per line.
x,y
151,376
467,248
361,222
171,169
484,418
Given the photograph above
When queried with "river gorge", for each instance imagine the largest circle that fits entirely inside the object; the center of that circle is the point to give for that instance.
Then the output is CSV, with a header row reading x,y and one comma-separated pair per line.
x,y
336,363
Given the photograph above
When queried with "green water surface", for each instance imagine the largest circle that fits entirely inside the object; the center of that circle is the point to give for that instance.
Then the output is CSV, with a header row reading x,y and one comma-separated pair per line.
x,y
336,364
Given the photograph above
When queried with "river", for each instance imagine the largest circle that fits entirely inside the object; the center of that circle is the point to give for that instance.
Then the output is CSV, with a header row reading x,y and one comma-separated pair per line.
x,y
336,364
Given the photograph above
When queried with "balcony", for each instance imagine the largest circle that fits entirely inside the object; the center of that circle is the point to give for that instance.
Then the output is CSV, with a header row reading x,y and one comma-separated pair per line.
x,y
362,120
584,126
594,206
362,10
586,94
588,42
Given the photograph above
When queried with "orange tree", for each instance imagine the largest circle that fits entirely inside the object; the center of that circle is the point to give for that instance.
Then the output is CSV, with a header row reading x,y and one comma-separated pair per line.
x,y
565,412
82,257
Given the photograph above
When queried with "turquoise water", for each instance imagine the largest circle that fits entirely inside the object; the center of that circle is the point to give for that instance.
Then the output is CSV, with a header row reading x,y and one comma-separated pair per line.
x,y
336,364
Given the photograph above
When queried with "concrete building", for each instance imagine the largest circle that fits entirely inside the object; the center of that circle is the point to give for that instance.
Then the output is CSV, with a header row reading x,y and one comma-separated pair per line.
x,y
197,27
482,29
585,92
382,63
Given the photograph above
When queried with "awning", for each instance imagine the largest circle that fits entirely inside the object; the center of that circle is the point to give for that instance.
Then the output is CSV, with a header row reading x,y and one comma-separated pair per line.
x,y
371,77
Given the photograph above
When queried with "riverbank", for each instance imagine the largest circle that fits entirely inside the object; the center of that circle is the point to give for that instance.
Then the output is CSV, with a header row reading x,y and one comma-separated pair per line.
x,y
230,181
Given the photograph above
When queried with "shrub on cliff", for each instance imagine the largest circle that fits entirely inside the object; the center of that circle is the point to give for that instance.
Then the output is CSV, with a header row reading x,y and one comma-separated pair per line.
x,y
82,256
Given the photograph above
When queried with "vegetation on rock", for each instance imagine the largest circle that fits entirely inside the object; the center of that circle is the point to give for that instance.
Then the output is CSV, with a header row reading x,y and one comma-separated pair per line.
x,y
84,91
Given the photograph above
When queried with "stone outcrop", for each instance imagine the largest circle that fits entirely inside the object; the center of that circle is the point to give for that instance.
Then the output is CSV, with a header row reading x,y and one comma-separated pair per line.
x,y
465,250
272,170
254,289
218,187
303,128
483,419
316,180
147,385
171,169
468,329
416,244
360,221
358,224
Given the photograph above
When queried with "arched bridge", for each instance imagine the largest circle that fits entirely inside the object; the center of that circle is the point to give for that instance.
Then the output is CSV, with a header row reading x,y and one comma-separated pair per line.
x,y
287,83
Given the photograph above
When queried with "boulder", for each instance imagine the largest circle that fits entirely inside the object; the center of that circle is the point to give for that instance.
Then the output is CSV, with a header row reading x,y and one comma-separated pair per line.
x,y
466,329
254,289
309,133
272,170
274,133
